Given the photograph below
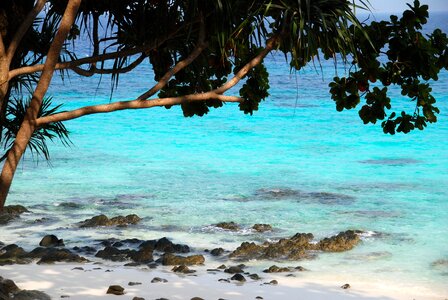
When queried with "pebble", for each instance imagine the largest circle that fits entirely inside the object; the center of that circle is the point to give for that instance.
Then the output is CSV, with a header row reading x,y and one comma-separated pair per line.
x,y
132,283
345,286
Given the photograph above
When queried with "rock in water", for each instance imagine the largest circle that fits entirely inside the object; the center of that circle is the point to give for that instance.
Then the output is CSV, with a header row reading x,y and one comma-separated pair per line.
x,y
115,290
182,269
238,277
275,269
158,279
262,227
51,241
342,242
169,259
217,251
231,226
103,220
11,212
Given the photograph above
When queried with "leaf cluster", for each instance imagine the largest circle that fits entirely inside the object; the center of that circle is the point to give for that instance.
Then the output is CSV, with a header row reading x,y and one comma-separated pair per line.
x,y
402,56
15,115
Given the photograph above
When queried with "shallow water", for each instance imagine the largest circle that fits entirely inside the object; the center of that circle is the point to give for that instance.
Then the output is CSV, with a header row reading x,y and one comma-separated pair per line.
x,y
297,164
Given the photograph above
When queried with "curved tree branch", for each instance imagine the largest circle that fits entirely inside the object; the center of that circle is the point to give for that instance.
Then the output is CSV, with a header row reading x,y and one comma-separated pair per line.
x,y
94,59
270,45
126,69
26,24
133,104
139,104
179,66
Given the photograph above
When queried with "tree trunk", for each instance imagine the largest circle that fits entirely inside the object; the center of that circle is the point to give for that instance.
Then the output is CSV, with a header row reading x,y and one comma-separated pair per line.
x,y
29,123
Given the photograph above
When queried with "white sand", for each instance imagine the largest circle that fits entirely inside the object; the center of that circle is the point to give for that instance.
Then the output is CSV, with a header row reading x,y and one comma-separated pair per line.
x,y
91,283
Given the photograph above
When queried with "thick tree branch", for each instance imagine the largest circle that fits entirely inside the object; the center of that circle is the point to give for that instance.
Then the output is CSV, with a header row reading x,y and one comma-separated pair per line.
x,y
26,24
139,104
179,66
133,104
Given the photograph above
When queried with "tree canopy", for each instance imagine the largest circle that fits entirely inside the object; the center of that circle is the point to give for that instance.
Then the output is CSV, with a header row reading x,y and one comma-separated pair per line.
x,y
200,49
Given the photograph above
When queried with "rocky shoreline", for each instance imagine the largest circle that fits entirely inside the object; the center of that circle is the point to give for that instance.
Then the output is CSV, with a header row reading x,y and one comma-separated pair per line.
x,y
163,252
169,256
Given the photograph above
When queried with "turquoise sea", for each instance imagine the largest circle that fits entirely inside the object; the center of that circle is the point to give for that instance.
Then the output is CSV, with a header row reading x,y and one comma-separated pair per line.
x,y
296,164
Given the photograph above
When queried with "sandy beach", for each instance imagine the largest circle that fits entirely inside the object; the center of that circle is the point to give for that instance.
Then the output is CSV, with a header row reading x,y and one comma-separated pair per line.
x,y
91,281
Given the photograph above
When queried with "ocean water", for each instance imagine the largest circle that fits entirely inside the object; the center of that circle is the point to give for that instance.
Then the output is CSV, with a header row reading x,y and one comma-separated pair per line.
x,y
296,164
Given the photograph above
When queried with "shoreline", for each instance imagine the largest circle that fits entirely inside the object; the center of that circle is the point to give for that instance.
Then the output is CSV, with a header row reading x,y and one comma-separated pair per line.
x,y
93,280
85,271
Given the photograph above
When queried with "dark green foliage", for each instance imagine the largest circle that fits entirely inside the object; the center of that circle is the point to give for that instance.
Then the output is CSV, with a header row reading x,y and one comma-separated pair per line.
x,y
403,57
15,114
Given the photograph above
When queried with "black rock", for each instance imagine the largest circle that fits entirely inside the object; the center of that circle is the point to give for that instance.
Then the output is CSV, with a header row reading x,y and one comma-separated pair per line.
x,y
217,251
51,241
234,270
158,279
238,277
254,277
60,255
231,226
345,286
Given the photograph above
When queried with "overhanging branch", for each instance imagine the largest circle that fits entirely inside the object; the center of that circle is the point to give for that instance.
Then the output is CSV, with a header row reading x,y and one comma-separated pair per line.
x,y
139,104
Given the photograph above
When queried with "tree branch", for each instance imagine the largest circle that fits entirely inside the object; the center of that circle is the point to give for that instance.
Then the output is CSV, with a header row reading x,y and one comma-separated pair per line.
x,y
26,24
93,59
128,68
132,104
179,66
139,104
270,45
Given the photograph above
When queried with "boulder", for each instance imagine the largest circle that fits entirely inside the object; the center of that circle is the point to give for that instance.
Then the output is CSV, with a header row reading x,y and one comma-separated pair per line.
x,y
169,259
293,248
51,241
217,251
10,213
60,255
102,220
13,254
343,241
238,277
31,295
165,245
115,290
15,209
113,254
9,290
141,256
234,270
275,269
231,226
262,227
182,269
